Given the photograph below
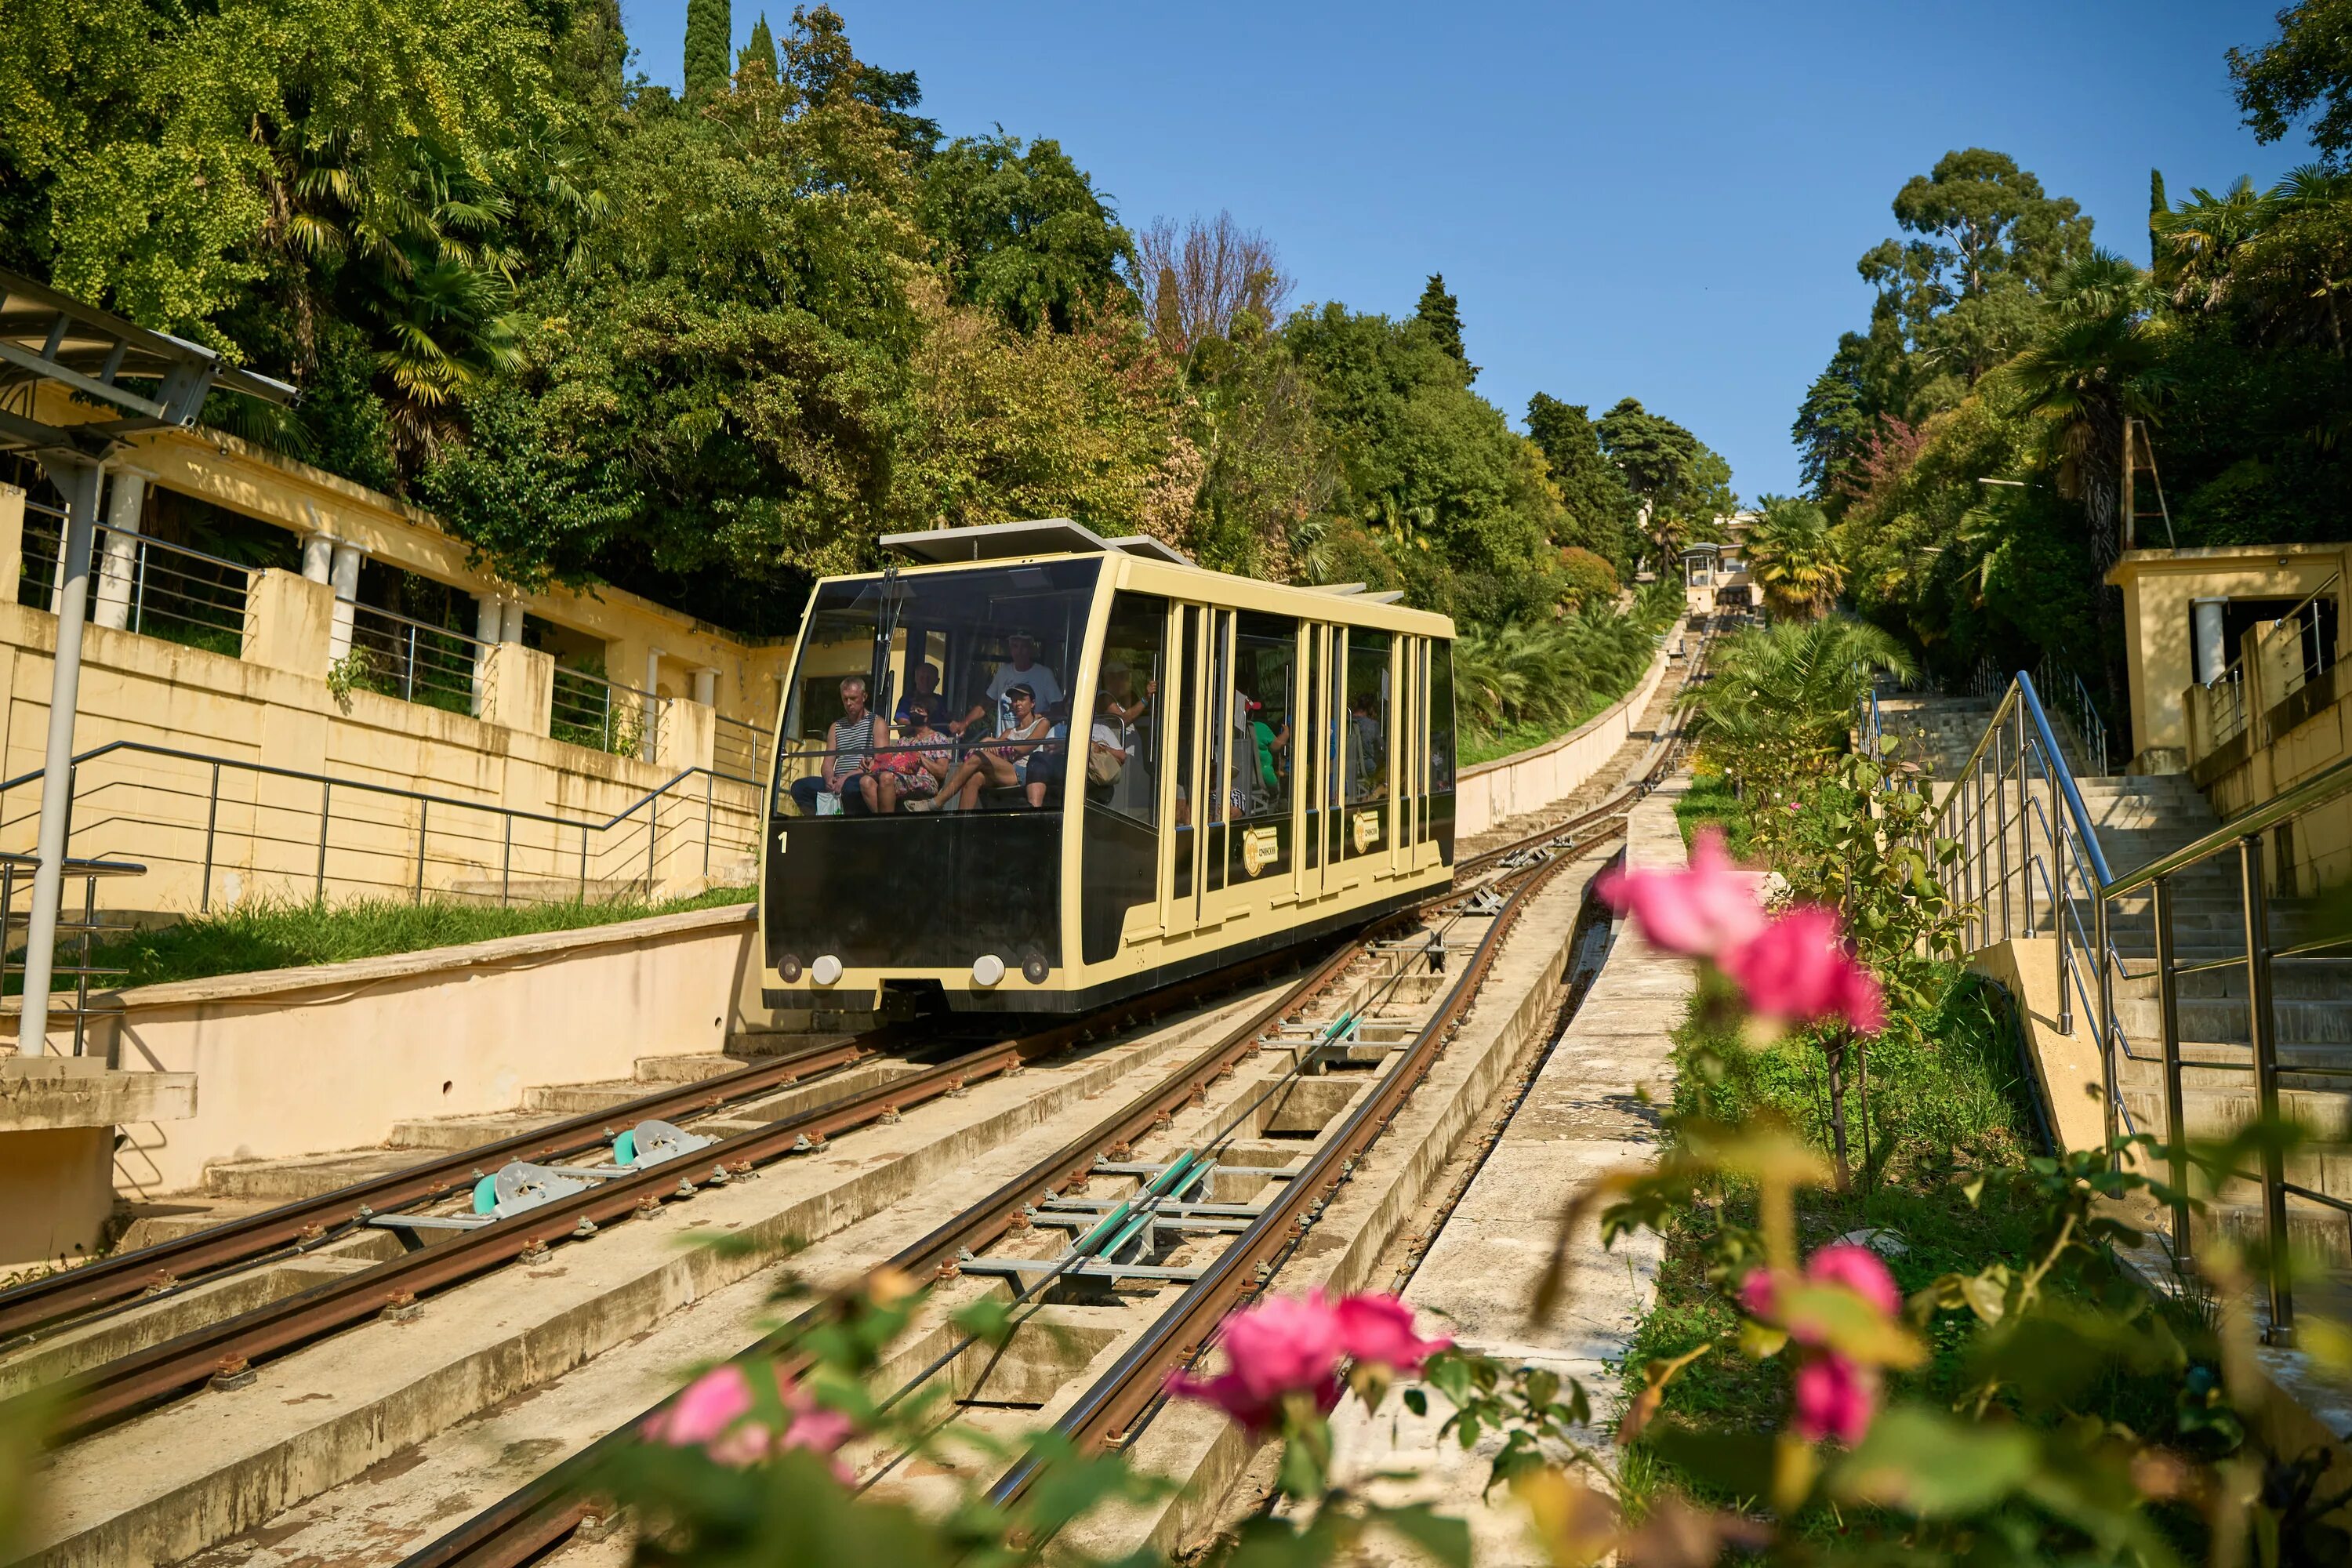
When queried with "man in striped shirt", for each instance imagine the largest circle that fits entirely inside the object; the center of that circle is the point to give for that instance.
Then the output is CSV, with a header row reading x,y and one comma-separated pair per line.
x,y
848,752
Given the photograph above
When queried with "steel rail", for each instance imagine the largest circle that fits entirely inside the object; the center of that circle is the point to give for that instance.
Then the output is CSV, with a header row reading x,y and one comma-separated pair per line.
x,y
175,1263
529,1521
1111,1409
88,1399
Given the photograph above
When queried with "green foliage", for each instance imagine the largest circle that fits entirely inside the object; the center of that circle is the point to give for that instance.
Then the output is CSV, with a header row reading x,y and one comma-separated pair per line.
x,y
1793,559
1025,233
710,30
1526,681
1684,484
1598,509
1779,700
1440,313
2307,67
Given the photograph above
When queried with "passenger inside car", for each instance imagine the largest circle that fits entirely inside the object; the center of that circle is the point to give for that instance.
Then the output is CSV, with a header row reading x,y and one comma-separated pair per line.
x,y
848,753
998,763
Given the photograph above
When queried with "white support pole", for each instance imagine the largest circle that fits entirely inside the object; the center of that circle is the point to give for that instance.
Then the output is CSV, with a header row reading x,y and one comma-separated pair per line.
x,y
344,576
705,685
77,476
123,508
318,556
2211,649
511,631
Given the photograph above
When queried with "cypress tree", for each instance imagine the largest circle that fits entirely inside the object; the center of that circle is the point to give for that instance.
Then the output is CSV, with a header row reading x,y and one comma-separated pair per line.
x,y
759,55
709,27
1440,313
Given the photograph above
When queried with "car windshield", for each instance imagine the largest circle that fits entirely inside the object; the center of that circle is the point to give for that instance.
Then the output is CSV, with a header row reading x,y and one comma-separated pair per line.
x,y
937,691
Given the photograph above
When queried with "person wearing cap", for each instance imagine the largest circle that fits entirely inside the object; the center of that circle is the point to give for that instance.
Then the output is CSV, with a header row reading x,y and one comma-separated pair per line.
x,y
1021,669
1001,761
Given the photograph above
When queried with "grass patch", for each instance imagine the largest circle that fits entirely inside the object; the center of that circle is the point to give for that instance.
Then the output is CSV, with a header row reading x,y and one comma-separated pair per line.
x,y
263,934
1711,802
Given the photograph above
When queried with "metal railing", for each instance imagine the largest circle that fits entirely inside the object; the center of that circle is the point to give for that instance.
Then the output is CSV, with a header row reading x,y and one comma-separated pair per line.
x,y
416,662
2025,829
600,714
739,751
2225,702
144,585
2075,710
2022,830
289,833
16,872
2295,650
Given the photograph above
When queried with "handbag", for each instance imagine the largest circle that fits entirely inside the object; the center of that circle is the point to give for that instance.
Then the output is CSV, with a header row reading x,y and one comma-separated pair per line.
x,y
1103,763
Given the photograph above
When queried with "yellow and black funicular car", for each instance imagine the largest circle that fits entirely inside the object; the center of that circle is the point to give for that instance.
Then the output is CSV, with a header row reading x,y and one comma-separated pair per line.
x,y
1033,770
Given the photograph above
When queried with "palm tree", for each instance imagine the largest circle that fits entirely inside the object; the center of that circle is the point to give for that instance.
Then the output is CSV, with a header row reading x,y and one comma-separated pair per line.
x,y
1779,697
2199,244
1793,558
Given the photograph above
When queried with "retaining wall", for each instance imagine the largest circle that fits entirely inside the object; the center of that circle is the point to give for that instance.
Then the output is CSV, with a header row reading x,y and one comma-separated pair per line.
x,y
1527,781
297,1061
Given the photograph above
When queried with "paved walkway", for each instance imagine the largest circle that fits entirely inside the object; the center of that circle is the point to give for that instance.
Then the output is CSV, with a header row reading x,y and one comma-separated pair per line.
x,y
1582,1116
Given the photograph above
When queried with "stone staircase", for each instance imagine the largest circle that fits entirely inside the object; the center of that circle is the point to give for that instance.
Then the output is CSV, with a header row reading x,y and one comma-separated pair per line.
x,y
2138,819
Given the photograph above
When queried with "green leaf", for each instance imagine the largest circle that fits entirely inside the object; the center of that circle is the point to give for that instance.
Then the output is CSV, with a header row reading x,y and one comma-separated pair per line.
x,y
1438,1536
1935,1466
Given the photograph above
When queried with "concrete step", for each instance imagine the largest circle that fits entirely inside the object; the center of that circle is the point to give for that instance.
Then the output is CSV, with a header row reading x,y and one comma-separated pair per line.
x,y
688,1069
2303,1022
2216,1111
303,1175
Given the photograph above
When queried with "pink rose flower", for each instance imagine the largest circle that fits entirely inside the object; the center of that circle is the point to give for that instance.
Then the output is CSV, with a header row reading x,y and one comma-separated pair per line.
x,y
1705,910
711,1414
1835,1398
1759,1297
1284,1345
707,1407
1797,972
1378,1329
1859,1271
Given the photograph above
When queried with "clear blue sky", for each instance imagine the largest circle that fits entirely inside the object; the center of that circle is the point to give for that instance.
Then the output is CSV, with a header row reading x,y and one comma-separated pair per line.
x,y
1654,199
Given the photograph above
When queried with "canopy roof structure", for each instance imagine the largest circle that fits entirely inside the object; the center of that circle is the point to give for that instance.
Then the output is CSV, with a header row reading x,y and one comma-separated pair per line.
x,y
153,378
1012,541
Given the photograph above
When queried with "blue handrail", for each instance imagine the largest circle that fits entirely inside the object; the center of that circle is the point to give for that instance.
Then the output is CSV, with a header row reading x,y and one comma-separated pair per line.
x,y
2065,777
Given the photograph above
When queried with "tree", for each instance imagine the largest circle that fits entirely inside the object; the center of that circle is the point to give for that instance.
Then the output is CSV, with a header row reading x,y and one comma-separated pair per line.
x,y
1834,418
1024,232
1793,558
1598,507
1421,453
759,54
2307,67
1962,295
709,30
1441,313
1193,278
725,388
1680,481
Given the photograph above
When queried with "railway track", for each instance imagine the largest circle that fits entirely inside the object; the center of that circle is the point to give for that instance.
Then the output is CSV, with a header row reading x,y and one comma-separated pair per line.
x,y
535,1519
526,1523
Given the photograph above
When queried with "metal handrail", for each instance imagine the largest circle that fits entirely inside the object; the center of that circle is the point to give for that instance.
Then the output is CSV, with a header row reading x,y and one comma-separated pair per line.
x,y
2089,728
648,803
2317,790
2243,837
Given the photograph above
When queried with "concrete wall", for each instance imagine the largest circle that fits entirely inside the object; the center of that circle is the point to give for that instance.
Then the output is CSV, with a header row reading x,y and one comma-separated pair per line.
x,y
296,1061
1527,781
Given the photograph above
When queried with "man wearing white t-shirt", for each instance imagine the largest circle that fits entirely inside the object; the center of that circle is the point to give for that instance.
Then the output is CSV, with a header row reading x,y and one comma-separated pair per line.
x,y
1023,670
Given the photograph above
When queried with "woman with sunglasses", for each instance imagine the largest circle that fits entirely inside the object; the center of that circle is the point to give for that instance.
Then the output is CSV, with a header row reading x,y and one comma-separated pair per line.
x,y
997,763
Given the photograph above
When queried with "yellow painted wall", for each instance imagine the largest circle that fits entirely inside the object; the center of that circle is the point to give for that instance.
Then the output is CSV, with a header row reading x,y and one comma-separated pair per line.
x,y
265,829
